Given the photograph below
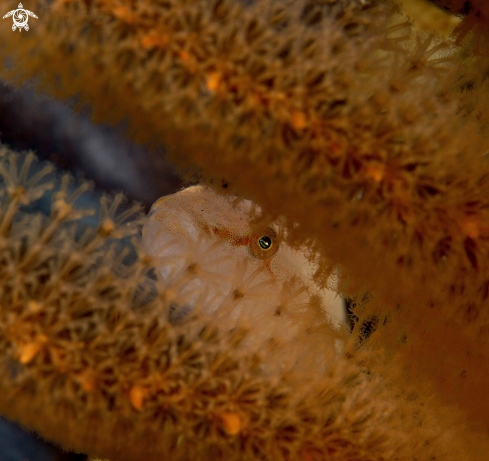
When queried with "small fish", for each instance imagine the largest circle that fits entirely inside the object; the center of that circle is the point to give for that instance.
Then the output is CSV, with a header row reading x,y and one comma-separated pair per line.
x,y
213,255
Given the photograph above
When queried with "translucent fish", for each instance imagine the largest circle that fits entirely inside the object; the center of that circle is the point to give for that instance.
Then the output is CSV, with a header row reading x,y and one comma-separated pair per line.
x,y
212,255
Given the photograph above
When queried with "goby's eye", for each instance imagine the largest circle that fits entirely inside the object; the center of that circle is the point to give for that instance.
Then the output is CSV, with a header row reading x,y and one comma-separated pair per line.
x,y
264,244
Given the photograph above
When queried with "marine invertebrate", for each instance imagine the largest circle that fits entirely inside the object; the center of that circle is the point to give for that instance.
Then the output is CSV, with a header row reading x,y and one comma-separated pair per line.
x,y
475,15
323,104
83,346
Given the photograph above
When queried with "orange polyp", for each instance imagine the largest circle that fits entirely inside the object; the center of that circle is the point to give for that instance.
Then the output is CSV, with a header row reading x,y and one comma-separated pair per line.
x,y
153,40
232,422
123,13
87,383
136,396
213,81
30,350
470,228
375,172
185,56
299,120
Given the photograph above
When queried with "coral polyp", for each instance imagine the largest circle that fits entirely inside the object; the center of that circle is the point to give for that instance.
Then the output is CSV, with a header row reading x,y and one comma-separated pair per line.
x,y
93,358
365,141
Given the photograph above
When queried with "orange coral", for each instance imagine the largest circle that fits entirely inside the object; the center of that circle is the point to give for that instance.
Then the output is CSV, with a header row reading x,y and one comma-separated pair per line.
x,y
313,109
90,355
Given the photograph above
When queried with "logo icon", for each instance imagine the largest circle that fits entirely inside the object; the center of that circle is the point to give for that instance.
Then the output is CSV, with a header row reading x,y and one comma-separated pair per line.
x,y
20,17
